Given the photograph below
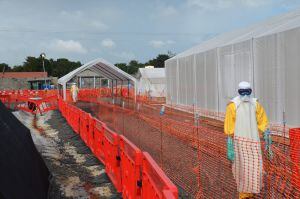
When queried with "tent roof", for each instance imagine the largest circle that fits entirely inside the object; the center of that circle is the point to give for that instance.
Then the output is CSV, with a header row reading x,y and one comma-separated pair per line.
x,y
151,73
101,67
273,25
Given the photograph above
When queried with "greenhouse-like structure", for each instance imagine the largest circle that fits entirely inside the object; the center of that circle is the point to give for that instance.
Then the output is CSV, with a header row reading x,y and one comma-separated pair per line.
x,y
152,82
94,72
267,55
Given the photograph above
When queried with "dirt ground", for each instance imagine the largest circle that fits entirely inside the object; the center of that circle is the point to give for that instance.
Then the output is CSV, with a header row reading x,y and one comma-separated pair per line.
x,y
176,158
198,171
76,173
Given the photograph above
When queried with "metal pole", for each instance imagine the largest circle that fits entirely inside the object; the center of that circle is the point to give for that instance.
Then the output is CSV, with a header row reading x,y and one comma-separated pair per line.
x,y
112,89
128,89
44,72
94,82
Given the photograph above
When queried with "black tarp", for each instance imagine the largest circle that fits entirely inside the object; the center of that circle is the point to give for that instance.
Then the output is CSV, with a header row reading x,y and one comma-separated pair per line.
x,y
23,173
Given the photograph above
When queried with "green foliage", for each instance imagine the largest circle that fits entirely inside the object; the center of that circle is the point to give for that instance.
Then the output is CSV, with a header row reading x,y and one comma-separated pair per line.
x,y
5,67
122,66
62,66
55,68
159,61
133,66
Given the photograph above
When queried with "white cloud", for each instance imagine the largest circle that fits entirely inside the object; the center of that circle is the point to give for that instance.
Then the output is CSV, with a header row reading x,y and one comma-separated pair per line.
x,y
224,4
160,44
108,43
127,55
168,11
255,3
124,56
210,4
67,46
71,14
99,25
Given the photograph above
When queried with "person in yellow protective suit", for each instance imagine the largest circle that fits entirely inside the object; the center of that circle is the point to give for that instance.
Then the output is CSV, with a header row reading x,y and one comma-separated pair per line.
x,y
245,119
74,92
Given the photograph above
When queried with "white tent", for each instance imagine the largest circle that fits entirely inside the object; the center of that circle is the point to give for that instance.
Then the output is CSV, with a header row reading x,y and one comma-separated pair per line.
x,y
103,69
152,81
266,54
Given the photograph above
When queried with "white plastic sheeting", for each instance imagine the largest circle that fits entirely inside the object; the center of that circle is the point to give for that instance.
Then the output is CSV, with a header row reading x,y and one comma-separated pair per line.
x,y
152,81
267,55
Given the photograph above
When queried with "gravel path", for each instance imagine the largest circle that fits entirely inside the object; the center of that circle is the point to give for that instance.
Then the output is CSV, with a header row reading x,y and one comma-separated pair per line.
x,y
76,172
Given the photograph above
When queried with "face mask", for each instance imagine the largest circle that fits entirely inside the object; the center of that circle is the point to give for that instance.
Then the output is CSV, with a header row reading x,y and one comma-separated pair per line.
x,y
245,98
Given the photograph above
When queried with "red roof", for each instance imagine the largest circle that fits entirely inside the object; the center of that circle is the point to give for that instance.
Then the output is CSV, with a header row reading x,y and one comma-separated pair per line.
x,y
23,75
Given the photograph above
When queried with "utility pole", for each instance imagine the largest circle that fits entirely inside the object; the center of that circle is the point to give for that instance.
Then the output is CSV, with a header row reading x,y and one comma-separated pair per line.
x,y
43,56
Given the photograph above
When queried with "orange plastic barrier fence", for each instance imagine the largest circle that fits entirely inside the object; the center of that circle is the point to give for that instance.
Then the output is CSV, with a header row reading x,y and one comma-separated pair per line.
x,y
35,105
295,155
131,159
84,125
112,158
90,134
192,152
76,119
155,183
92,95
99,140
30,100
133,173
5,99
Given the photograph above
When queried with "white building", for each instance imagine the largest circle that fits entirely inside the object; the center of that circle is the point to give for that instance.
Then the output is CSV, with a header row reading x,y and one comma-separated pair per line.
x,y
152,81
267,55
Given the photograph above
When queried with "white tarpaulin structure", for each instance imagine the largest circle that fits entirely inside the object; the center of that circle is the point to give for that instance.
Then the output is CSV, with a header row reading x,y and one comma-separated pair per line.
x,y
267,55
102,68
152,81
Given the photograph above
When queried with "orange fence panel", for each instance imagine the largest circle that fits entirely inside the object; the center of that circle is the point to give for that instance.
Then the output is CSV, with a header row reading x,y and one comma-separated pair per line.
x,y
99,142
155,184
76,117
84,125
131,159
90,134
5,99
132,173
36,104
112,158
295,156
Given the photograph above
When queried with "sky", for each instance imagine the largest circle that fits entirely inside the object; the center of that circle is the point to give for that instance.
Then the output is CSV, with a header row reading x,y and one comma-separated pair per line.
x,y
121,30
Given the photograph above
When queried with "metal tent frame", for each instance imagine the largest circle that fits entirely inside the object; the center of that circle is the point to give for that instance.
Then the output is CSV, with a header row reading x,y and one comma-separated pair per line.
x,y
103,68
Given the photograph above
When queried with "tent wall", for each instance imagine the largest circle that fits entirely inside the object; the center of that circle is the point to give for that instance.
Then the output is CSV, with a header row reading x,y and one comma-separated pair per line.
x,y
277,72
270,63
152,82
171,81
235,65
206,80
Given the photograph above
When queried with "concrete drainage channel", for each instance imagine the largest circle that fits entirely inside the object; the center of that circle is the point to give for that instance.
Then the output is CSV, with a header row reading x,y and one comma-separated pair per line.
x,y
76,173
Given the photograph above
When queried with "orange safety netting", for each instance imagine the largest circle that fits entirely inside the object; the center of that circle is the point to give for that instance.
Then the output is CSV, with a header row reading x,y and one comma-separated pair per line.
x,y
192,152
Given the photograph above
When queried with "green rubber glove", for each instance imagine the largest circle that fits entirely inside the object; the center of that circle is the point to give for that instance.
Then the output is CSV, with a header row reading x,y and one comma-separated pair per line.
x,y
230,149
268,143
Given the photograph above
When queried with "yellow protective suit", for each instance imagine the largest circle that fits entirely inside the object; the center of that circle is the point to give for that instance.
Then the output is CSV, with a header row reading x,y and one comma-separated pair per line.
x,y
247,164
74,92
229,125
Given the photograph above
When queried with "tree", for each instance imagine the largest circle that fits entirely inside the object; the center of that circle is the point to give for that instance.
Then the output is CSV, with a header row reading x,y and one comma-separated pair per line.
x,y
159,61
122,66
63,66
55,68
133,66
5,67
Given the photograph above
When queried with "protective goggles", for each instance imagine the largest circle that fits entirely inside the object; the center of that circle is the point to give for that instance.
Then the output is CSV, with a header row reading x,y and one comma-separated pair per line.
x,y
244,92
